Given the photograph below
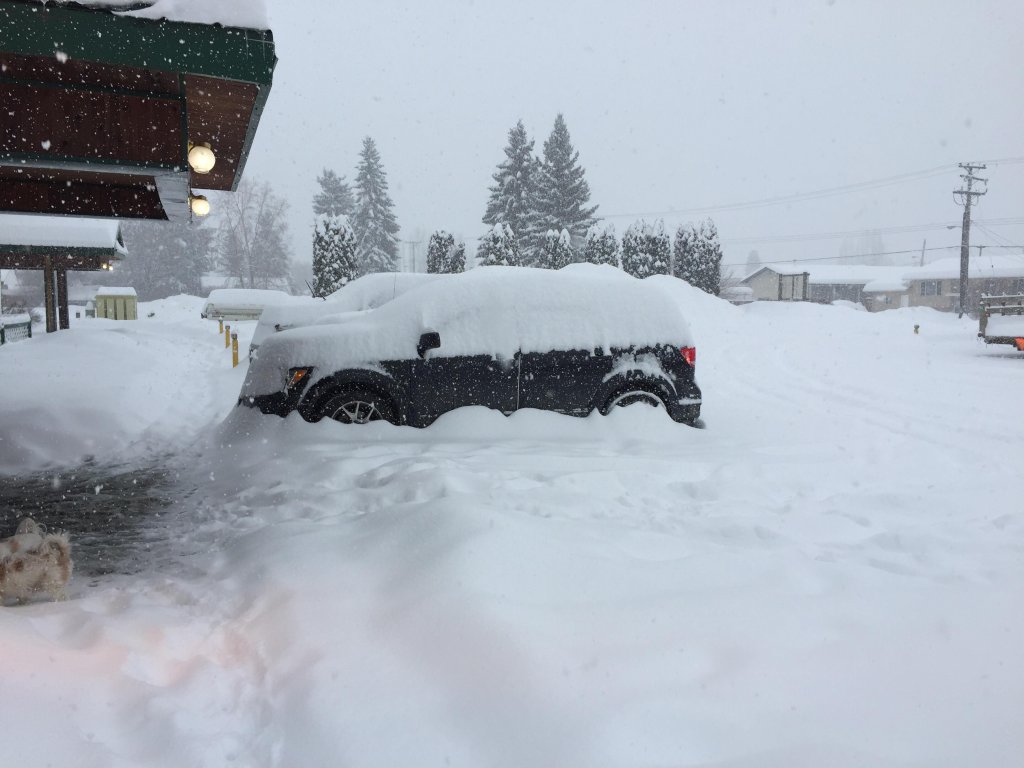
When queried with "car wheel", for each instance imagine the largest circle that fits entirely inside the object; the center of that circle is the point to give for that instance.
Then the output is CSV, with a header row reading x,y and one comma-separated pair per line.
x,y
632,397
357,406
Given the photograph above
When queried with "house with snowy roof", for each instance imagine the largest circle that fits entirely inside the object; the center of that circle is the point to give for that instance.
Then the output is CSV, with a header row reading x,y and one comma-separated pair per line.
x,y
937,285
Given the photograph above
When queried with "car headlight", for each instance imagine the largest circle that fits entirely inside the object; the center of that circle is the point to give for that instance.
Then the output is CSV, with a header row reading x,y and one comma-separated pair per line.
x,y
296,379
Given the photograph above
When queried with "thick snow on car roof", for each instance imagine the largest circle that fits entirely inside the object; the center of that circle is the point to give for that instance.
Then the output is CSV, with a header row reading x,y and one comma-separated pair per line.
x,y
489,310
247,297
366,292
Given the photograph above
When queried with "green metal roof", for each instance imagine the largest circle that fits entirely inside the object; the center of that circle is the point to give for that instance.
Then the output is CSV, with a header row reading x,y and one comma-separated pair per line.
x,y
33,29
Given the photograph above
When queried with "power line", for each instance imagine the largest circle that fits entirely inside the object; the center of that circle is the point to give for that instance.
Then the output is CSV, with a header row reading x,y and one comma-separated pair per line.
x,y
869,231
799,196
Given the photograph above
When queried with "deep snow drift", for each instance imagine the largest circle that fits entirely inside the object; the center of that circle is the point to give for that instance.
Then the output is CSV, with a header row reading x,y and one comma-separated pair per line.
x,y
829,575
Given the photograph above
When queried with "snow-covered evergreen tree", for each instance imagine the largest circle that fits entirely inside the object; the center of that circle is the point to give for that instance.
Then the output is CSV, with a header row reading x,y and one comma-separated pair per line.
x,y
334,254
440,244
709,262
498,248
698,256
456,258
438,248
602,246
511,194
374,220
646,249
561,195
684,252
334,197
557,251
444,255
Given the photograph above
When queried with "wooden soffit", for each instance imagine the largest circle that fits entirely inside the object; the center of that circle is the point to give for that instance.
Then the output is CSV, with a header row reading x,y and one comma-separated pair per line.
x,y
99,109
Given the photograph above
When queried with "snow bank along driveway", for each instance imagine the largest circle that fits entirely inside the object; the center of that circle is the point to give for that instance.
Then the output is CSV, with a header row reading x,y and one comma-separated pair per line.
x,y
829,575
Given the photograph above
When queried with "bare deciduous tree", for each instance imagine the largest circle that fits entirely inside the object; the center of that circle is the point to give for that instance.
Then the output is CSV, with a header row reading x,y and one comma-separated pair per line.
x,y
253,247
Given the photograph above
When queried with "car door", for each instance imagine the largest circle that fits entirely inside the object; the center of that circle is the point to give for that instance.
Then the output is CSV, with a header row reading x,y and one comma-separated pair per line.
x,y
561,380
442,383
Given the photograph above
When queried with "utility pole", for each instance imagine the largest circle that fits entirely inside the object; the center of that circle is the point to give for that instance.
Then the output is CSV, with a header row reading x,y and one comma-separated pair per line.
x,y
923,245
966,197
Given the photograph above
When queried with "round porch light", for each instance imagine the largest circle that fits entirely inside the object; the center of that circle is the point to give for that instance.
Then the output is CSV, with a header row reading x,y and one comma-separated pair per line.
x,y
201,158
199,204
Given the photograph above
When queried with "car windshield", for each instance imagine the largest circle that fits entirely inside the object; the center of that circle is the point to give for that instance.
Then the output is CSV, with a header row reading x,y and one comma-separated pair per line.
x,y
569,383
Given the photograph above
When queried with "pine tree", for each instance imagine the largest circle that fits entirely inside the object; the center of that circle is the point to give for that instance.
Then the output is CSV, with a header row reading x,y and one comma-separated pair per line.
x,y
602,247
438,250
557,252
444,255
334,254
560,194
374,220
708,273
456,261
509,202
684,253
334,197
498,248
646,249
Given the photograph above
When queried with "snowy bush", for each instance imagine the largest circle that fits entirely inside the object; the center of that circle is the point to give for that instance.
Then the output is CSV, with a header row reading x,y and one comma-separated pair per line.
x,y
646,249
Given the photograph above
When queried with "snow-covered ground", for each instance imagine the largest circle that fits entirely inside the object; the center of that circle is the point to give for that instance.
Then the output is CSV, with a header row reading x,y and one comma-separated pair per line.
x,y
831,574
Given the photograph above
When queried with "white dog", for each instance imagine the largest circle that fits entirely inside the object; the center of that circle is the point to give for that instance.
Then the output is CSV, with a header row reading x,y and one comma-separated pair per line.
x,y
32,562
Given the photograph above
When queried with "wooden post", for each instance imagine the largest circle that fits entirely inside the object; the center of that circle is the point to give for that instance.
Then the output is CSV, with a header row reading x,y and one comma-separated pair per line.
x,y
63,315
48,297
227,336
234,350
220,326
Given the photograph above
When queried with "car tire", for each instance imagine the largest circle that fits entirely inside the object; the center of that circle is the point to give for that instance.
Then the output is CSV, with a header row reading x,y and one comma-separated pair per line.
x,y
356,406
632,396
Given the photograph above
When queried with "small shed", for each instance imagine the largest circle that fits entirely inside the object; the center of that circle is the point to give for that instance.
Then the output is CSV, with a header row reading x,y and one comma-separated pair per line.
x,y
778,283
117,303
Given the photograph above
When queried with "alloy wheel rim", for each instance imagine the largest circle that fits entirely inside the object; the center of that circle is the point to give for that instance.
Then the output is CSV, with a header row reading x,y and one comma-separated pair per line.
x,y
357,412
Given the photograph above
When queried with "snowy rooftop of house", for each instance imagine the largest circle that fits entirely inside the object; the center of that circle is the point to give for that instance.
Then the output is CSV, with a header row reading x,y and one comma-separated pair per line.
x,y
886,284
59,232
779,269
852,274
983,266
247,14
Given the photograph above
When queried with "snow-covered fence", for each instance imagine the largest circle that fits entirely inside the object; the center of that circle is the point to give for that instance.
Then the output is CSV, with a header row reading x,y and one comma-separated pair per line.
x,y
15,331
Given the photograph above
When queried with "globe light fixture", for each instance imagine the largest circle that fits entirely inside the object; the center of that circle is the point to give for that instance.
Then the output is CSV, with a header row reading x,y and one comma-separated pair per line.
x,y
201,158
199,204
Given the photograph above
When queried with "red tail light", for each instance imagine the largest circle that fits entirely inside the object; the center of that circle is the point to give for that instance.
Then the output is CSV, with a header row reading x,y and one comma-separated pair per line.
x,y
689,355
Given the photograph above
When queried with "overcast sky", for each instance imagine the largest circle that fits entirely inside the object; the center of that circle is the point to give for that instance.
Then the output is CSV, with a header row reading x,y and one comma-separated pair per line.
x,y
672,105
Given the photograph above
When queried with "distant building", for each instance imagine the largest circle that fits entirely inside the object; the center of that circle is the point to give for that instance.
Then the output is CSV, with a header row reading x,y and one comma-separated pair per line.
x,y
777,283
935,285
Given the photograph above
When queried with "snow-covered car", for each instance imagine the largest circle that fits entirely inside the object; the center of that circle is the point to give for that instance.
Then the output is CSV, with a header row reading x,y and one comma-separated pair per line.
x,y
366,292
242,303
507,338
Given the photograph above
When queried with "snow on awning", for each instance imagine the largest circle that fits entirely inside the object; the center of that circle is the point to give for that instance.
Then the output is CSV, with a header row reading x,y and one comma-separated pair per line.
x,y
50,232
247,14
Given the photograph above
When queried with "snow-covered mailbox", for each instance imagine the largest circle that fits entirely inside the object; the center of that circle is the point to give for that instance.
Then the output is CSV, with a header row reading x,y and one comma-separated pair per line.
x,y
241,303
117,303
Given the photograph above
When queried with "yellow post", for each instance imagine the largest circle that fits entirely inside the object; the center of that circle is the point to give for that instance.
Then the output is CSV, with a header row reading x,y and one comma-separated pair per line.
x,y
227,336
220,325
234,350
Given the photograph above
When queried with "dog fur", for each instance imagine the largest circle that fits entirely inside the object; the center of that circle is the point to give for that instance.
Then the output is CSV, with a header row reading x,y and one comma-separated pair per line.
x,y
34,562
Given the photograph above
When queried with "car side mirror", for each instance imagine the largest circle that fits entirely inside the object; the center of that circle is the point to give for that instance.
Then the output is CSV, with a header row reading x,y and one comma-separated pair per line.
x,y
429,340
